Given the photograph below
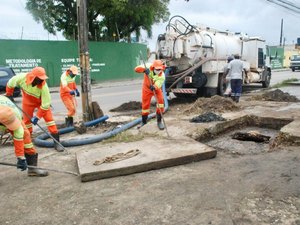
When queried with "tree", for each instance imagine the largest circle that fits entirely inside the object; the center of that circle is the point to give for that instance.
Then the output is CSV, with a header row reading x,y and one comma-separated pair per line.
x,y
108,19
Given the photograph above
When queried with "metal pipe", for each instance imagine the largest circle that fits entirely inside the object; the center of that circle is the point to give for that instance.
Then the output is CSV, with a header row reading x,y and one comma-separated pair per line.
x,y
40,168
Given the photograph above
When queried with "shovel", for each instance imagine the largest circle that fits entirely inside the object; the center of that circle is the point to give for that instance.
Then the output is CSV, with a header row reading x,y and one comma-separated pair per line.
x,y
78,124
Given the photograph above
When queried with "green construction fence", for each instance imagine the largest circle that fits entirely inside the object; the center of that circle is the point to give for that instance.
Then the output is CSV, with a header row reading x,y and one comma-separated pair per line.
x,y
108,60
277,57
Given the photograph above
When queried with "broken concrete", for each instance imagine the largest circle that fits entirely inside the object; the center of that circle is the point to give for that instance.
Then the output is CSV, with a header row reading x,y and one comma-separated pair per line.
x,y
289,135
292,128
152,156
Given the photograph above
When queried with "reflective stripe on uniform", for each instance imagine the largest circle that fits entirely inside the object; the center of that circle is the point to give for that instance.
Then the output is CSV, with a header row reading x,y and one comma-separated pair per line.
x,y
145,110
160,105
18,133
28,145
50,123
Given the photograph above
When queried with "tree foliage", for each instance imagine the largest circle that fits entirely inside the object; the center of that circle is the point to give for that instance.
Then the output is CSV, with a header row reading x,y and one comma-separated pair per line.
x,y
108,20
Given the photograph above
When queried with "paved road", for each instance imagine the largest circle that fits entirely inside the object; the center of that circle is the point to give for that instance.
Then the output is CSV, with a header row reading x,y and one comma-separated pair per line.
x,y
107,96
279,76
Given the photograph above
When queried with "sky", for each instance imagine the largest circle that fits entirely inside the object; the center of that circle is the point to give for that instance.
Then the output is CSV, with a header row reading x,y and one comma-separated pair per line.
x,y
258,18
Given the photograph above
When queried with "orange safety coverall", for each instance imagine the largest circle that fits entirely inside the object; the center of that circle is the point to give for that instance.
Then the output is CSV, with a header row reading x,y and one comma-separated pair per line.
x,y
21,135
33,97
67,84
157,81
24,145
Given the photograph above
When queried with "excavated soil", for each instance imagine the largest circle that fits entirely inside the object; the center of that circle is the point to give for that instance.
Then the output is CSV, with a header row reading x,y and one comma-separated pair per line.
x,y
277,95
215,104
128,106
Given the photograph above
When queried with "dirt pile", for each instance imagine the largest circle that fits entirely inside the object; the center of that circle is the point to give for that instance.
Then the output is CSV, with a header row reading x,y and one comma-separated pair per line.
x,y
129,106
206,118
283,140
277,96
213,104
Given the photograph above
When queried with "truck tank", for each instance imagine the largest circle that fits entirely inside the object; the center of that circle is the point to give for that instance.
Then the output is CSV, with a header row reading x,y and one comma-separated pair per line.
x,y
196,56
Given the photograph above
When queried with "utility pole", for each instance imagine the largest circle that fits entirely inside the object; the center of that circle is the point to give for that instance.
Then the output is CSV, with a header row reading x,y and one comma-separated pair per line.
x,y
84,60
281,31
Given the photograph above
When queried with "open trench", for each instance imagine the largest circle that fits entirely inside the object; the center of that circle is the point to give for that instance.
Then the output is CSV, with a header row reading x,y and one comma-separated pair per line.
x,y
221,135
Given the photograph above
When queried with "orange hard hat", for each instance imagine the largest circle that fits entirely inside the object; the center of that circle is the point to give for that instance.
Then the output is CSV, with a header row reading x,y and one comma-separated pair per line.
x,y
8,118
158,64
36,72
74,69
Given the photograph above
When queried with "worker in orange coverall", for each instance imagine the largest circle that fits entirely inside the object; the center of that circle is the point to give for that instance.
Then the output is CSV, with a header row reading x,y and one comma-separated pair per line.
x,y
68,90
35,94
11,121
154,78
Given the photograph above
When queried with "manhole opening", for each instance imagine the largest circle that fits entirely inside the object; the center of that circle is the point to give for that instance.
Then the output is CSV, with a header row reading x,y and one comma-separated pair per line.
x,y
221,135
227,143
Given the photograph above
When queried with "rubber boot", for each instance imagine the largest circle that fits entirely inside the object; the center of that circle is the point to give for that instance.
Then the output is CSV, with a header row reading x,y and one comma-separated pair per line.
x,y
69,121
32,161
57,146
144,119
159,122
237,99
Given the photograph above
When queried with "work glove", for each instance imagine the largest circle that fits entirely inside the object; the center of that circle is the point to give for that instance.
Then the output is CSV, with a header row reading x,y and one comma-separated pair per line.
x,y
147,71
72,92
21,164
34,120
152,88
77,92
10,98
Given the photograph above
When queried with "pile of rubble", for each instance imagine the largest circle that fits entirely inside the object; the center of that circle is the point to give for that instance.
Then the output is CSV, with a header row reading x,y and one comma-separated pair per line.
x,y
213,104
277,95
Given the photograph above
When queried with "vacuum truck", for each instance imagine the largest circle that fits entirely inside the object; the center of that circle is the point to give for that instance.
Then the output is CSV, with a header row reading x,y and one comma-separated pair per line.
x,y
195,57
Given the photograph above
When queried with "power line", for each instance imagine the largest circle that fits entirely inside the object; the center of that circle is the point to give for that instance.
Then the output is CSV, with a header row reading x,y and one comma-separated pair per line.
x,y
287,5
290,4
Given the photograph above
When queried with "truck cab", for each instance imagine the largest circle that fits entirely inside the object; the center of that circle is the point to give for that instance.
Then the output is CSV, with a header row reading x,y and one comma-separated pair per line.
x,y
295,62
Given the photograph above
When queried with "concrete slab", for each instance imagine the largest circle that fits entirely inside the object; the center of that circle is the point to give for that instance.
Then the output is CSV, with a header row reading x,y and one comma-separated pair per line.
x,y
292,129
152,156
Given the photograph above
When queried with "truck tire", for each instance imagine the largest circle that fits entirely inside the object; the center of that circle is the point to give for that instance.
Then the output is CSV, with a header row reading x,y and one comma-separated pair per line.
x,y
267,79
221,85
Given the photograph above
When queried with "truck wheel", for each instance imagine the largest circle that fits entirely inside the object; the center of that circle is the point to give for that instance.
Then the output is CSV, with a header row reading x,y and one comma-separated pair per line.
x,y
293,69
221,85
266,82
